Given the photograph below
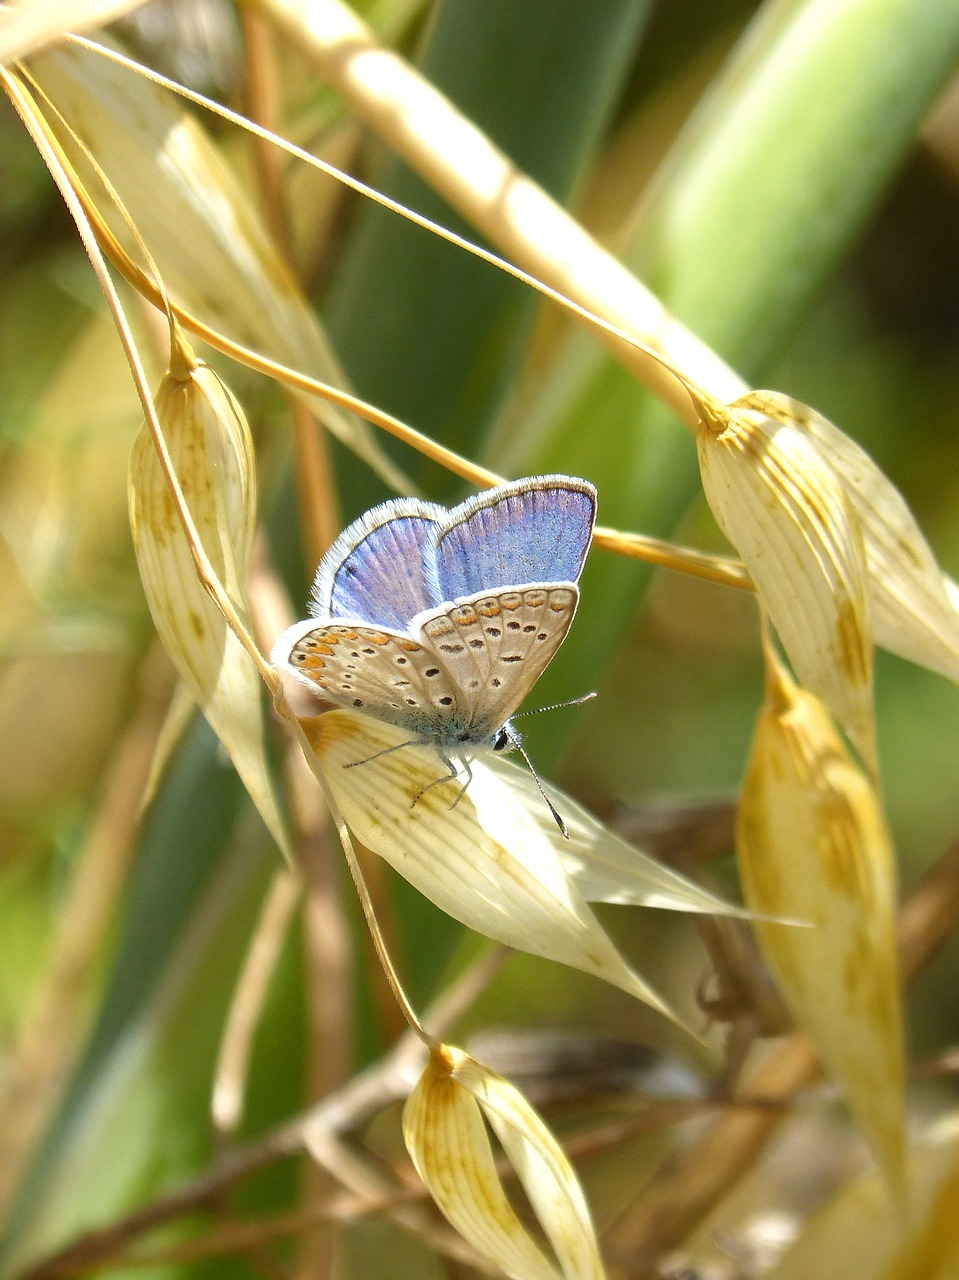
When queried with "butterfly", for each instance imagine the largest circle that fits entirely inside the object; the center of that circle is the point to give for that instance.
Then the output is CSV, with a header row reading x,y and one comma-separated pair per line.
x,y
441,621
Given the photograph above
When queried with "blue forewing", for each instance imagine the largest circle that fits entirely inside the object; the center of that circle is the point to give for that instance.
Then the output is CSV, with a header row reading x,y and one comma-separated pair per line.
x,y
529,531
374,570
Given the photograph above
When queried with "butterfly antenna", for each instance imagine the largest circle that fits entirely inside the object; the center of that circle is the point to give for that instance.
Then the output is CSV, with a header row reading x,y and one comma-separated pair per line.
x,y
557,818
554,706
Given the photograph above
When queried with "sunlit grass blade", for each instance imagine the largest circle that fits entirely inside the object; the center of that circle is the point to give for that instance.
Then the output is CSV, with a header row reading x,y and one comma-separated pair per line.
x,y
447,346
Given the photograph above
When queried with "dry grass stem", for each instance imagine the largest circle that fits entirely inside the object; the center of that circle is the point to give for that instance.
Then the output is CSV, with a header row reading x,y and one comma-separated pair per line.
x,y
666,368
828,545
515,214
318,503
314,477
666,555
329,986
229,1083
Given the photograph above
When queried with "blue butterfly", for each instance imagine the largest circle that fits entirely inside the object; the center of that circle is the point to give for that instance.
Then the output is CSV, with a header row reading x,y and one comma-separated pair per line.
x,y
441,621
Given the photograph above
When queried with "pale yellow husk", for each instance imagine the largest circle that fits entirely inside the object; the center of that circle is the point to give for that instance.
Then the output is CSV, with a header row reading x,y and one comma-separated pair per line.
x,y
488,860
603,866
206,237
912,607
443,1124
786,512
211,451
812,844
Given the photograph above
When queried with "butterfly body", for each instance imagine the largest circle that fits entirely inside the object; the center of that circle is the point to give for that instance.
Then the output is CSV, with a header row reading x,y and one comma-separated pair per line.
x,y
441,621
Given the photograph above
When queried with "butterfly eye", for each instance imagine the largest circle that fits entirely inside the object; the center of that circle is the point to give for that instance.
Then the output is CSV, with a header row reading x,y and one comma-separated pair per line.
x,y
502,740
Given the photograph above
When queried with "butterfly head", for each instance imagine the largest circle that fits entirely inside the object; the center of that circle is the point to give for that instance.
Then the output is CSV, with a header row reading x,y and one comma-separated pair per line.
x,y
506,738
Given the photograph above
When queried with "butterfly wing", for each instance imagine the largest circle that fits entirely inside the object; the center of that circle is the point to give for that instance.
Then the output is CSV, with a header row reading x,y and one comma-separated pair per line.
x,y
535,530
414,622
374,571
386,674
495,645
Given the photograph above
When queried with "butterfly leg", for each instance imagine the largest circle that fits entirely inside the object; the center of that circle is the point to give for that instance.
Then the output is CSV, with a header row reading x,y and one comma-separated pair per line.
x,y
387,751
451,776
469,778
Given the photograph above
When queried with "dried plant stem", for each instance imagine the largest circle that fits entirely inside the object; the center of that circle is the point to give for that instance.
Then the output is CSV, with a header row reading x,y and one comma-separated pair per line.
x,y
685,373
330,979
480,182
692,1183
363,893
229,1082
637,546
328,950
666,555
328,960
318,502
326,931
314,477
94,1248
41,1060
263,98
147,288
380,944
92,1251
388,1019
235,1237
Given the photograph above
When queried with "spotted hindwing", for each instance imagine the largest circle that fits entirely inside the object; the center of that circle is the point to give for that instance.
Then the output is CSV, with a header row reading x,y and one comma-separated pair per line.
x,y
495,645
385,674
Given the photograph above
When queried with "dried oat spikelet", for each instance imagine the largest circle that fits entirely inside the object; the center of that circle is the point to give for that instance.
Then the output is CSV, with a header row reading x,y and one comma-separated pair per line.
x,y
786,512
211,451
495,860
812,845
444,1124
913,605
